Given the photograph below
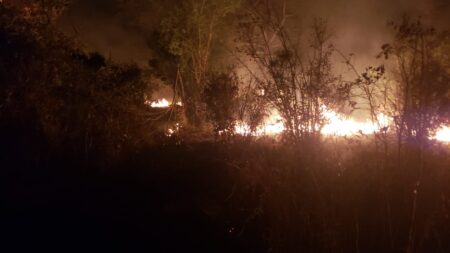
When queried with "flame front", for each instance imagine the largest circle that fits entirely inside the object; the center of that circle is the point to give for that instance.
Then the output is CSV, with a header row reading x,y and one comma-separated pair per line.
x,y
336,125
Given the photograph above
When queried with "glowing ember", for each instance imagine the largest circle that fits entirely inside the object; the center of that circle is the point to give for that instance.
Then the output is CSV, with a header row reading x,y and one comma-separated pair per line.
x,y
162,103
443,134
173,130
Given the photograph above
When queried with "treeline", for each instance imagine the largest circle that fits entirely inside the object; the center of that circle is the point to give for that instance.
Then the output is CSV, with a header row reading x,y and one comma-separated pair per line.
x,y
227,62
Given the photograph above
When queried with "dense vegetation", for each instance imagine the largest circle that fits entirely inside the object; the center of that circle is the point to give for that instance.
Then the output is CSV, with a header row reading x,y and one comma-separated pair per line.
x,y
87,164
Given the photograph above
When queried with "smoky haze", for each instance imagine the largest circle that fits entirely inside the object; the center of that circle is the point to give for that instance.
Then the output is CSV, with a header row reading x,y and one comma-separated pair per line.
x,y
119,29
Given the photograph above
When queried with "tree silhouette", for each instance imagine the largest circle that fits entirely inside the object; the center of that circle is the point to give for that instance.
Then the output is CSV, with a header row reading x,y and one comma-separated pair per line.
x,y
422,69
220,96
296,82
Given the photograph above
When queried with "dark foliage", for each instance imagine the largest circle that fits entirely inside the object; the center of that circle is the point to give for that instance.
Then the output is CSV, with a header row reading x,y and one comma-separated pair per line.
x,y
79,101
220,96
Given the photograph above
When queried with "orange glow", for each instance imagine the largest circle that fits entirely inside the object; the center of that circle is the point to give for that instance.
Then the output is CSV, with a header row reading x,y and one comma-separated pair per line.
x,y
272,125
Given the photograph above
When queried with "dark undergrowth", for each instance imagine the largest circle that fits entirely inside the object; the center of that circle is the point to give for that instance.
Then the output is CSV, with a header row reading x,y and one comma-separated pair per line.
x,y
239,196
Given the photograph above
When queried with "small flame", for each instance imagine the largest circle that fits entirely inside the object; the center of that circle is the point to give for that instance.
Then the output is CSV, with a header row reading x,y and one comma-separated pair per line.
x,y
442,134
163,103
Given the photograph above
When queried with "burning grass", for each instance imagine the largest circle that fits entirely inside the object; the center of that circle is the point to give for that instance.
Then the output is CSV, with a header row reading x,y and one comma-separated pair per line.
x,y
335,125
